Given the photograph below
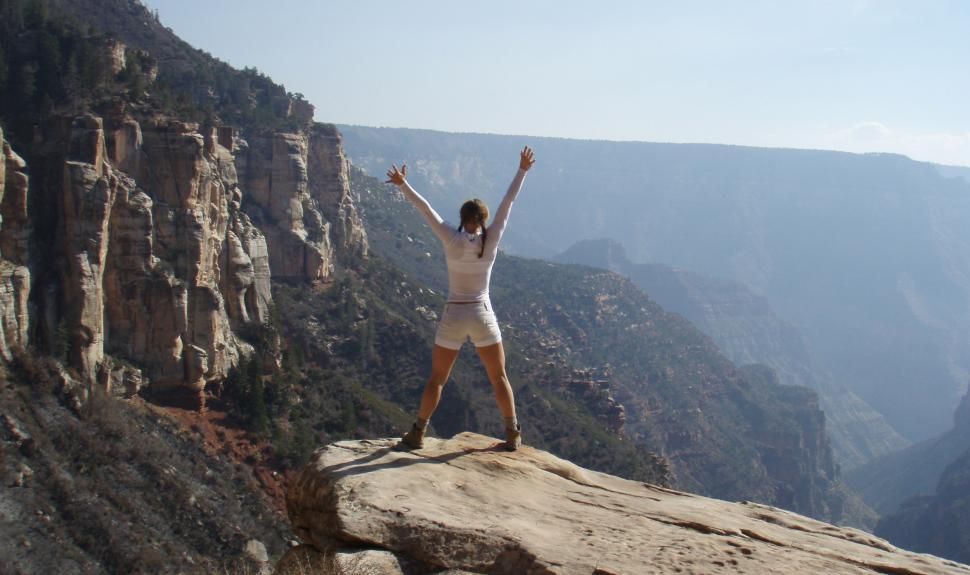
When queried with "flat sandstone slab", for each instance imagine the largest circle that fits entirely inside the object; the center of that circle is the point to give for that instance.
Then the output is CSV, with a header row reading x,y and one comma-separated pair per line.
x,y
464,503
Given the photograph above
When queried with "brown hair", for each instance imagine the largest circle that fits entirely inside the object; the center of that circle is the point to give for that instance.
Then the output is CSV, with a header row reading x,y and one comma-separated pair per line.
x,y
475,211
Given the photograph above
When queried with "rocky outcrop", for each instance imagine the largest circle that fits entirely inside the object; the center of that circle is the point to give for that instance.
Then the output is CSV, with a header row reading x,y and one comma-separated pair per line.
x,y
160,262
14,234
329,183
14,298
299,189
113,55
90,189
160,254
273,171
162,312
592,388
246,282
463,503
14,223
190,180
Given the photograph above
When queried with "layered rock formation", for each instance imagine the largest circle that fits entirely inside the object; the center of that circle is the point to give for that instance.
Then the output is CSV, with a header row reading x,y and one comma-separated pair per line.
x,y
300,192
142,253
329,184
465,504
156,261
14,233
89,193
273,169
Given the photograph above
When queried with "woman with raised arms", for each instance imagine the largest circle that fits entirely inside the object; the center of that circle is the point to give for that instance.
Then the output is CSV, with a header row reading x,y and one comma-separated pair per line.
x,y
470,251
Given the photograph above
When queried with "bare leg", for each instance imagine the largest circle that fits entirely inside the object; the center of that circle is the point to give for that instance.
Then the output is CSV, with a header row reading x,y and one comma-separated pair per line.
x,y
493,356
442,360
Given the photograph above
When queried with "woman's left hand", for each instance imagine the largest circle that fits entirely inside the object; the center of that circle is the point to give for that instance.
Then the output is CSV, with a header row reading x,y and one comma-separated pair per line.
x,y
527,159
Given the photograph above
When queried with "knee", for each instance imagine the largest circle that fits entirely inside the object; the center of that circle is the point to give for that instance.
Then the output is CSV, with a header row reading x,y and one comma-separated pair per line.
x,y
501,380
437,380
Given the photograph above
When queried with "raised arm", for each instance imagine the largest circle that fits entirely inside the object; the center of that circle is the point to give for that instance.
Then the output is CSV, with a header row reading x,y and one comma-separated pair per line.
x,y
398,178
526,160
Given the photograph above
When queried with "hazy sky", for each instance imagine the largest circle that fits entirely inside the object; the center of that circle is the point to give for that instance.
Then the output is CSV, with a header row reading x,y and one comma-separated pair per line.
x,y
856,75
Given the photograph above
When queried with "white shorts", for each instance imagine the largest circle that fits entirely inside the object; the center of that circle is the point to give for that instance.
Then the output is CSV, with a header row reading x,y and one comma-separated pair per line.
x,y
460,321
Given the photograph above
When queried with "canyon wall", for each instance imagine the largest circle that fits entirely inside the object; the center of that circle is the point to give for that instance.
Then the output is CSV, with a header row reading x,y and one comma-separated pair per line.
x,y
14,231
158,240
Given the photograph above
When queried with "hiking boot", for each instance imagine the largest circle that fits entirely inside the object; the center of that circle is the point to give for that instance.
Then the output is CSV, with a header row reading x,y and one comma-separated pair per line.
x,y
513,438
413,439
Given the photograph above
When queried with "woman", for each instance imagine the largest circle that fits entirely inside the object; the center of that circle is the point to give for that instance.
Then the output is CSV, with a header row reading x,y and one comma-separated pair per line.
x,y
470,251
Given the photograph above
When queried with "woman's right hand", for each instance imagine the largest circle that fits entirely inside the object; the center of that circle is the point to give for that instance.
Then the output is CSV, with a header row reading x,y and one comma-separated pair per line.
x,y
395,176
526,159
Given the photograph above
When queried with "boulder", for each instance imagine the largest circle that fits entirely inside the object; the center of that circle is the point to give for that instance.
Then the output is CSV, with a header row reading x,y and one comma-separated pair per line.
x,y
255,550
464,503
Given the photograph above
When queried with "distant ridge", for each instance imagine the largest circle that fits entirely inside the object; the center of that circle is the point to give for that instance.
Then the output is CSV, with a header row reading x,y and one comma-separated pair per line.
x,y
745,328
860,252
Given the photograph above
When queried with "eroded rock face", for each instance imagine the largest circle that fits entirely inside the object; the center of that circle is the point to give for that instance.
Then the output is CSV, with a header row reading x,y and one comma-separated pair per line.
x,y
14,234
273,171
247,273
153,252
87,198
161,264
14,299
169,311
14,223
330,186
464,503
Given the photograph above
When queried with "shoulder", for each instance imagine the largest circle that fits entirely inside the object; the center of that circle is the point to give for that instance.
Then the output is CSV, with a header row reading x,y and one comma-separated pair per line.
x,y
452,230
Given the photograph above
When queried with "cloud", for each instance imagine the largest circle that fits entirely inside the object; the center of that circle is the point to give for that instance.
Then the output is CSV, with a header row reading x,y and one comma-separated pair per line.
x,y
870,136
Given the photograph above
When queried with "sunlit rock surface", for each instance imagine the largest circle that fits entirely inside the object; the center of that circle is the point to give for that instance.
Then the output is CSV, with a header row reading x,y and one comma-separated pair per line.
x,y
465,503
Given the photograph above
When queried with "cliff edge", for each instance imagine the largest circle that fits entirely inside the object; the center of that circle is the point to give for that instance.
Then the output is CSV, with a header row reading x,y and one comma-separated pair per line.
x,y
463,503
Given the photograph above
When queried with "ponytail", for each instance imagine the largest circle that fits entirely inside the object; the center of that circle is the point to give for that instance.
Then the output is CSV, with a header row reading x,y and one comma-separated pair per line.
x,y
479,211
484,239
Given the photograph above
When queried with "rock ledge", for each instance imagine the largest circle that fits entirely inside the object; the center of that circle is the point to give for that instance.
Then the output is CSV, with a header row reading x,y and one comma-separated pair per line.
x,y
463,503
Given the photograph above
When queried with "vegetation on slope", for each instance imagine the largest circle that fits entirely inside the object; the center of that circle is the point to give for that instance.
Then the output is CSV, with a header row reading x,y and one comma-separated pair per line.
x,y
110,486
